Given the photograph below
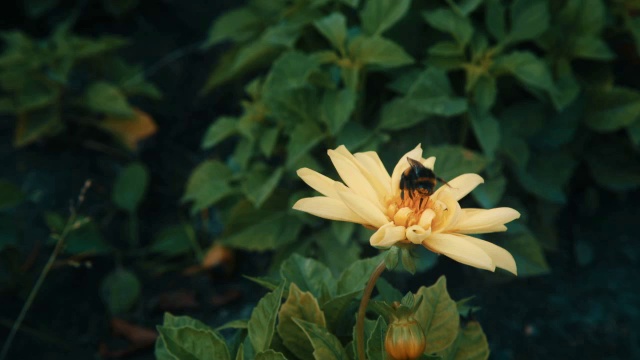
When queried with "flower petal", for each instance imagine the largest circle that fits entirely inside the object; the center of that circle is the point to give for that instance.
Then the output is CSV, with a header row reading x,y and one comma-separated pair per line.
x,y
426,218
364,208
460,186
484,221
459,250
372,162
353,177
369,172
328,208
417,234
501,257
402,165
448,213
318,182
387,235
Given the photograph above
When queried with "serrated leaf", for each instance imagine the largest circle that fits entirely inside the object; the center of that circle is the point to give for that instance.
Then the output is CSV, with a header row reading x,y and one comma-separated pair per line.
x,y
438,316
355,277
172,240
193,343
262,322
236,25
130,187
261,184
375,342
337,106
120,290
528,68
106,98
611,110
336,307
378,51
485,92
219,130
495,19
10,195
299,305
208,183
400,114
325,345
471,344
452,161
380,15
303,138
334,28
529,19
309,274
592,47
270,231
446,20
487,130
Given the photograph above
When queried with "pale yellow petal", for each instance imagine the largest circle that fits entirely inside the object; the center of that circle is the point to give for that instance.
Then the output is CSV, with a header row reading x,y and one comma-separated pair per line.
x,y
353,177
501,257
426,218
417,234
484,221
429,162
373,164
402,165
364,208
387,235
448,213
328,208
460,186
459,250
318,182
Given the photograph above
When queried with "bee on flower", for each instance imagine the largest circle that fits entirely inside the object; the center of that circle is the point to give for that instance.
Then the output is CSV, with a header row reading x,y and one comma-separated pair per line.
x,y
406,210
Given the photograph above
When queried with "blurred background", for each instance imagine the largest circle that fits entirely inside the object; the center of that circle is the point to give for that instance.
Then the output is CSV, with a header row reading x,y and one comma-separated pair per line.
x,y
190,119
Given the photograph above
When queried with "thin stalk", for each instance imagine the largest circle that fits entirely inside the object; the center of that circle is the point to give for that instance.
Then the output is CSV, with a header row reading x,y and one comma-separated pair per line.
x,y
69,226
362,310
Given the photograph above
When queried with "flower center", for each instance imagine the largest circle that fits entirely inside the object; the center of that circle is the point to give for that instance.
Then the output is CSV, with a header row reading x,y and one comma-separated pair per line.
x,y
407,212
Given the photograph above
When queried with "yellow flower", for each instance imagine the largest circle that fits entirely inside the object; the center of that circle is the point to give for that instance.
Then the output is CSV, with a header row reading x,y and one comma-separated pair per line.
x,y
371,197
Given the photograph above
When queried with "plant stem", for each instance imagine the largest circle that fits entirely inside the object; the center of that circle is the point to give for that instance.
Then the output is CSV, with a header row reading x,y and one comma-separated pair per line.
x,y
69,226
366,296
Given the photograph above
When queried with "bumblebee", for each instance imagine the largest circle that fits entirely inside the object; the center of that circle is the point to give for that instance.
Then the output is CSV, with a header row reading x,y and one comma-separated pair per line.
x,y
418,180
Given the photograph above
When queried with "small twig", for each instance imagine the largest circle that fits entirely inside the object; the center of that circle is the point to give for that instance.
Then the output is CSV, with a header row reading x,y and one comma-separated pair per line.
x,y
69,226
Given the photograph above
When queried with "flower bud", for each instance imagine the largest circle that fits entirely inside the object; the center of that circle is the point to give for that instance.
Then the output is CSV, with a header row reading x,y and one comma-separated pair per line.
x,y
405,339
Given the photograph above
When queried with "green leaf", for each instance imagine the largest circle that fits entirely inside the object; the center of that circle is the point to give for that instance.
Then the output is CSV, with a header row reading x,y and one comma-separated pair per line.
x,y
375,342
495,19
355,277
634,132
485,92
400,114
527,252
271,230
337,106
464,7
270,355
262,323
335,309
471,344
208,183
611,110
614,165
106,98
489,194
380,15
130,187
452,161
37,124
299,305
487,131
303,138
172,240
219,130
387,292
261,183
84,239
309,274
431,94
237,25
325,345
120,291
546,175
378,51
438,316
189,339
291,71
448,21
529,19
592,47
528,68
10,195
446,48
268,140
334,28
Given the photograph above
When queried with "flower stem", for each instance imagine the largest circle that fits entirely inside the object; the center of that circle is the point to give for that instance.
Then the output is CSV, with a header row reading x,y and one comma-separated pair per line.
x,y
366,296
